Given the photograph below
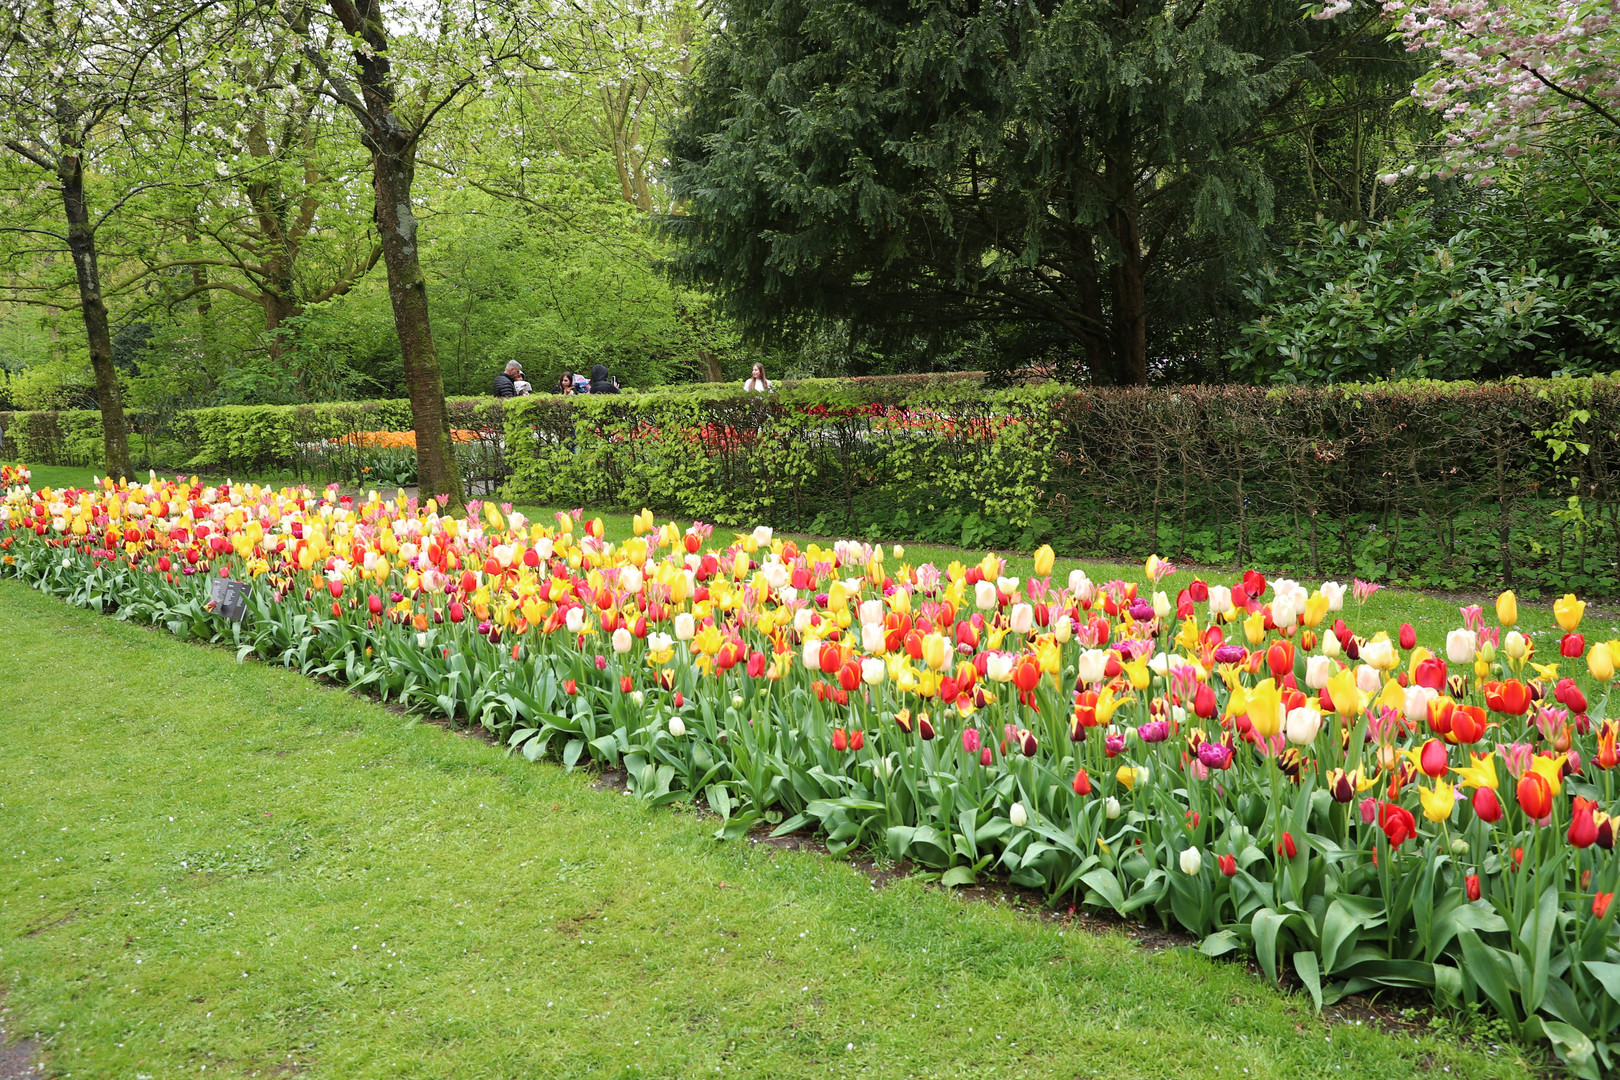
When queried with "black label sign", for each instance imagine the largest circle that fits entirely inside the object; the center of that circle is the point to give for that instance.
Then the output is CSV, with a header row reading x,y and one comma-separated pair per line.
x,y
229,598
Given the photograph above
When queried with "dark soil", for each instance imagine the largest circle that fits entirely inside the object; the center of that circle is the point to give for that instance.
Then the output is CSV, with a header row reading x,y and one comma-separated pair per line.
x,y
16,1058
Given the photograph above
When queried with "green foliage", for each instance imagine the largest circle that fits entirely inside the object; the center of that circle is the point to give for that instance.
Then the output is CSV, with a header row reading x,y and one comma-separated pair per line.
x,y
426,833
1409,298
1444,485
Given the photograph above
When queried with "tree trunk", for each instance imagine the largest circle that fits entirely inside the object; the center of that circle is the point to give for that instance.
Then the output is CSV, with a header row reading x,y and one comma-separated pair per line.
x,y
392,143
1129,287
438,472
82,244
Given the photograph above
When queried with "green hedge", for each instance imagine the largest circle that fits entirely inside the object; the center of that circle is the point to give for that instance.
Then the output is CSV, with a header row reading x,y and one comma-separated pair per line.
x,y
1449,485
255,439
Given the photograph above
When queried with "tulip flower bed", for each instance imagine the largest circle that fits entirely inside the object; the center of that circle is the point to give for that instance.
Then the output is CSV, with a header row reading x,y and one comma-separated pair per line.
x,y
1237,760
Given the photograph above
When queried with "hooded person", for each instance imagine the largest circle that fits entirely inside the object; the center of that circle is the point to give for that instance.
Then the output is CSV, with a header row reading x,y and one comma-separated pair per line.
x,y
602,382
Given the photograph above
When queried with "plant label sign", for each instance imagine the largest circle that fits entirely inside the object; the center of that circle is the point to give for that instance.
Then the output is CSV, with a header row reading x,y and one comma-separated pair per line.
x,y
229,598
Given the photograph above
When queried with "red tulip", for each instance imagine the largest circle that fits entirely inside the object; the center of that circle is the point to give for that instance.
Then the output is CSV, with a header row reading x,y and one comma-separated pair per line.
x,y
1487,805
1199,590
985,757
1471,885
457,612
1600,904
679,699
831,659
1408,636
1027,674
756,665
1280,658
1535,795
1431,673
1397,822
337,610
469,583
1027,743
1204,704
1433,758
857,739
336,589
849,676
1288,848
1582,828
1082,783
374,604
925,727
570,687
1467,725
1511,697
1228,864
839,740
1572,645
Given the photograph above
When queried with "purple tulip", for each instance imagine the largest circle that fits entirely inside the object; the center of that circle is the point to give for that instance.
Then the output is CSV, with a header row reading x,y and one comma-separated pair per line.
x,y
1230,654
1154,731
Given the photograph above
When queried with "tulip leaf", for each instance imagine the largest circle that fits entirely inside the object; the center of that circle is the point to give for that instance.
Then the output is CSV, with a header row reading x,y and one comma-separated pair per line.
x,y
1310,974
1572,1045
1266,925
1105,885
1608,974
1537,934
720,802
571,752
958,875
1489,968
1340,926
1219,943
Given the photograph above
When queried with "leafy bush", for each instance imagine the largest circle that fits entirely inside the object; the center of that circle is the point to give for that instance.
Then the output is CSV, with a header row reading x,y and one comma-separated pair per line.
x,y
1455,485
1406,299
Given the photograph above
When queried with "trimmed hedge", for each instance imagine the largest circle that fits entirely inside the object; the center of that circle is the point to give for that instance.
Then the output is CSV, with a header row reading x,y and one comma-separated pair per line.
x,y
1448,485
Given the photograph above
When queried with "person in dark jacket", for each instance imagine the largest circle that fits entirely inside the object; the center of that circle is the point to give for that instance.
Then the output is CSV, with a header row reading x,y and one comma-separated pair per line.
x,y
602,382
506,381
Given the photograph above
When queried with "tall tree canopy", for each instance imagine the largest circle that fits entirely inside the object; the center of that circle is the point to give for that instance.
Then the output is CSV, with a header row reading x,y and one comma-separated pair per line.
x,y
1085,165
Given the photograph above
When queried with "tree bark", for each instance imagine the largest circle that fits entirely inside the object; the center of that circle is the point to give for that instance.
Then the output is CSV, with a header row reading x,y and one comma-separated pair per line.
x,y
1129,285
438,472
82,245
392,142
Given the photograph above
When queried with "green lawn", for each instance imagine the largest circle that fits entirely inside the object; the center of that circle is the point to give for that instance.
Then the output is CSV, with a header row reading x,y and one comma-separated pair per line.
x,y
223,869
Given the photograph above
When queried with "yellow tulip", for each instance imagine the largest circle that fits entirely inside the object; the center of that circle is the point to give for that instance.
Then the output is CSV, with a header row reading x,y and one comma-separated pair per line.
x,y
1482,773
1438,802
1600,662
1126,777
1107,706
990,567
532,612
935,651
1348,700
1043,560
1507,608
1568,612
1138,672
1254,628
1265,708
1315,610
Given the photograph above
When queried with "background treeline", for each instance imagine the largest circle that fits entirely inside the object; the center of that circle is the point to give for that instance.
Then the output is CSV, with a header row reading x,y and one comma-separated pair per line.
x,y
1127,192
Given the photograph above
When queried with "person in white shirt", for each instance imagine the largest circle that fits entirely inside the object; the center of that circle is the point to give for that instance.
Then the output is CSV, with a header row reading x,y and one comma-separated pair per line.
x,y
757,383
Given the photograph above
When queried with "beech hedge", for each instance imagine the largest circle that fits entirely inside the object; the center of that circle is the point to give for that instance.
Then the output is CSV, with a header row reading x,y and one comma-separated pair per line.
x,y
1440,485
1448,485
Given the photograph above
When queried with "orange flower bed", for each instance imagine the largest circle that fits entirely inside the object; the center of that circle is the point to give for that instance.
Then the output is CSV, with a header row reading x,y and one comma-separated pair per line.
x,y
398,440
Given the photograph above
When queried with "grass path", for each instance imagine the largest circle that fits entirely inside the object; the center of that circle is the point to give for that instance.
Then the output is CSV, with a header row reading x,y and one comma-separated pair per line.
x,y
217,869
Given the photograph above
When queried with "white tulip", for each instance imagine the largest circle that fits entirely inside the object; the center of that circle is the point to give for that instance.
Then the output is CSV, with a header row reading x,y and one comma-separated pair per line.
x,y
984,596
1192,861
1335,595
1063,630
630,579
1368,680
685,626
1161,605
677,726
1416,705
1330,645
762,535
1514,646
1022,618
1461,646
872,671
812,654
1092,665
998,667
622,640
1318,670
544,548
1303,724
1283,611
575,620
872,639
1111,808
1220,599
1018,816
660,641
801,620
871,612
1380,653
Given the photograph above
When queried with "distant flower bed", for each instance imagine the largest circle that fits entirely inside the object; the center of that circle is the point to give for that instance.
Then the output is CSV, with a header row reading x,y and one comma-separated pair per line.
x,y
11,475
1235,760
399,440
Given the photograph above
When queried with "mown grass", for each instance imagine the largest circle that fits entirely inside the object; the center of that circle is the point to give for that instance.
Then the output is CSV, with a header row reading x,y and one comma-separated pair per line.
x,y
223,869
